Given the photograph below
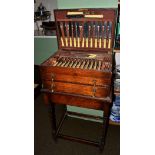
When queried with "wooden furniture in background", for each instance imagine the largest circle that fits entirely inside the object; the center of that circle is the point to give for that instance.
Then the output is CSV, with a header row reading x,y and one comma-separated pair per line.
x,y
48,28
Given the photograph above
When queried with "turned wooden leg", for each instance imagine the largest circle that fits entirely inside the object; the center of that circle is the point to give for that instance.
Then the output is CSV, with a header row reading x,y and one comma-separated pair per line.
x,y
52,118
105,126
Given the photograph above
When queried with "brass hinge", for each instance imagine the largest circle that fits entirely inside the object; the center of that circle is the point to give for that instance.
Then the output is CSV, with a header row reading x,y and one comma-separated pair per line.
x,y
52,83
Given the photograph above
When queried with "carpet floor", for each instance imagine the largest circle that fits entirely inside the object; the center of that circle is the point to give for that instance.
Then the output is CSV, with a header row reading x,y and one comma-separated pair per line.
x,y
45,145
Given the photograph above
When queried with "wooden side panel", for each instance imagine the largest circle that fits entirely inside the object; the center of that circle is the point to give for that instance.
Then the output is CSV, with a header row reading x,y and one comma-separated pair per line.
x,y
76,101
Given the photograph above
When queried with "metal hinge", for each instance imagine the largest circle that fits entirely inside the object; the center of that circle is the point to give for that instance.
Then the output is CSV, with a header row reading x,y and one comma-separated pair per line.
x,y
52,83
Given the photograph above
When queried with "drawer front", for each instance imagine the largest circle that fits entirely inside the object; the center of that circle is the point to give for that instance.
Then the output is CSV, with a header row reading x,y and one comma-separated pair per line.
x,y
72,88
76,75
77,79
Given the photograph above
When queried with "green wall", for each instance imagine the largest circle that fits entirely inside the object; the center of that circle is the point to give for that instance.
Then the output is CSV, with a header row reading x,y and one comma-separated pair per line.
x,y
64,4
43,48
